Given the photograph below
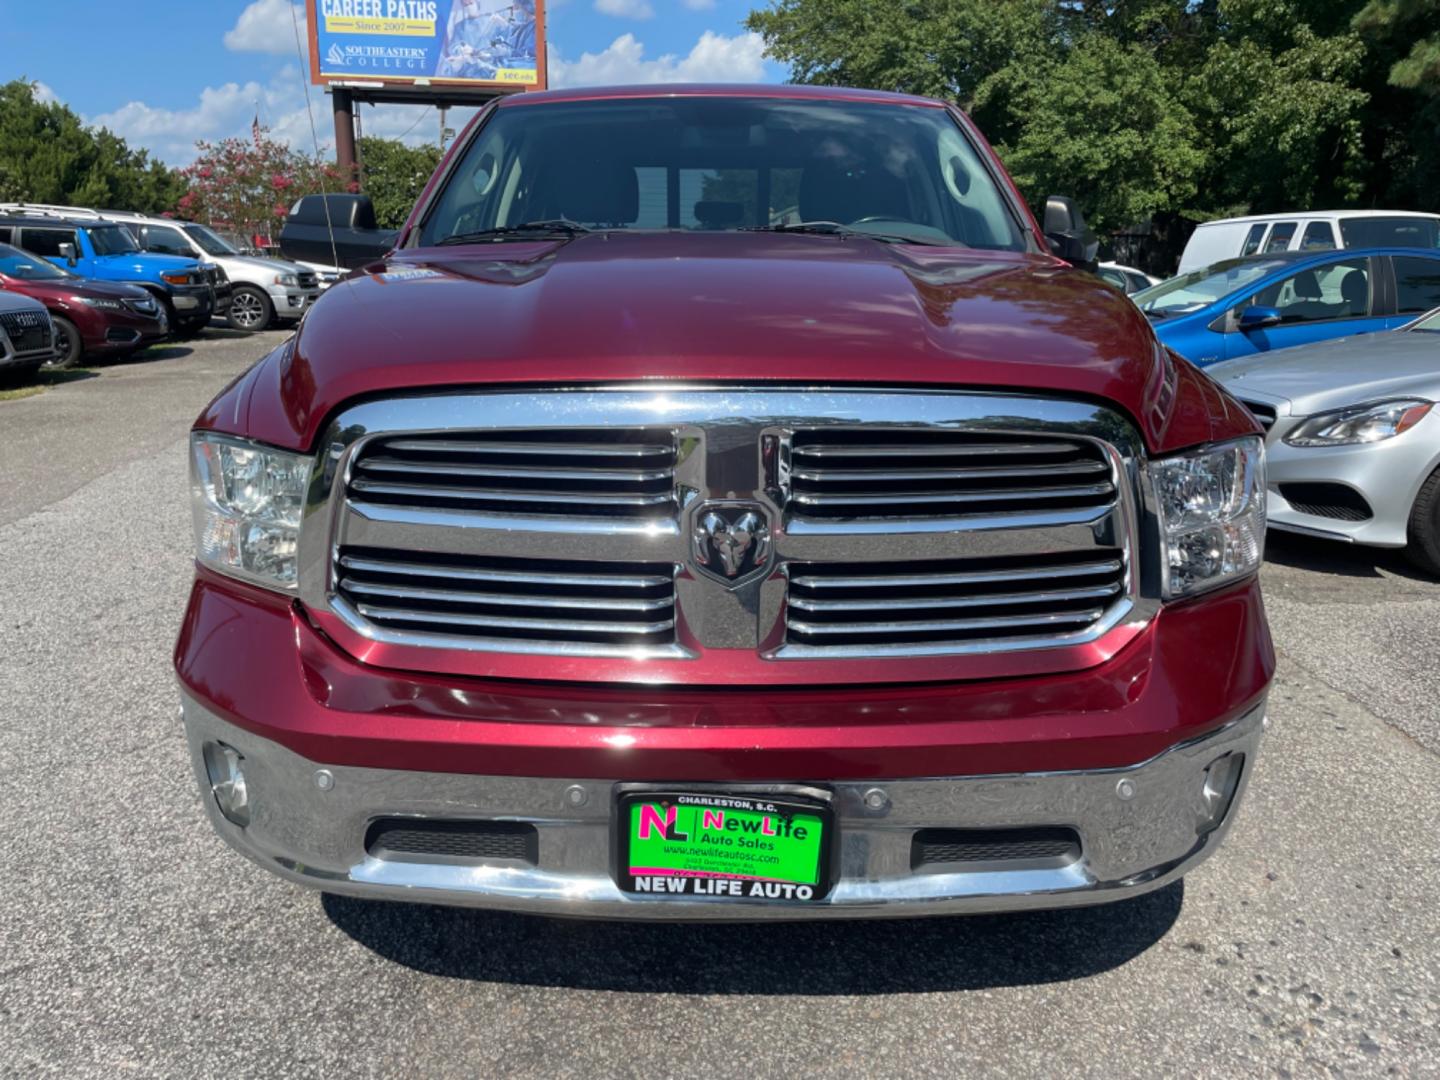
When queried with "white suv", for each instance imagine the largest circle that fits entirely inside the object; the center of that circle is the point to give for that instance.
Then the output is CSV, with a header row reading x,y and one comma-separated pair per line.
x,y
265,290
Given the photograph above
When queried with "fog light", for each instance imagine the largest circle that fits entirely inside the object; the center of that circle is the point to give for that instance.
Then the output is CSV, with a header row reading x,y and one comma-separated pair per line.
x,y
1222,779
227,782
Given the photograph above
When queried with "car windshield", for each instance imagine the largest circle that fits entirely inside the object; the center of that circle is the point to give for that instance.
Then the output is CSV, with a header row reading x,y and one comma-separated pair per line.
x,y
1201,288
112,240
21,264
1428,323
906,174
211,243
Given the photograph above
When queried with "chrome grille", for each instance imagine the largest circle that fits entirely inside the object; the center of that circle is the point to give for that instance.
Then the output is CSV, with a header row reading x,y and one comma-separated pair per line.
x,y
950,602
851,473
511,600
28,331
307,279
605,473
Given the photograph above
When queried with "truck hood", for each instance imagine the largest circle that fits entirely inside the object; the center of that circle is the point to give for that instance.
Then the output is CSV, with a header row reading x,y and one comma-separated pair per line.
x,y
1335,374
736,307
255,265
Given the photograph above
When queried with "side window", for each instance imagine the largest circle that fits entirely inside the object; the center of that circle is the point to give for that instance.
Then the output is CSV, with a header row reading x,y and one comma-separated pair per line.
x,y
1253,238
46,242
1338,290
1112,277
163,239
4,234
1319,236
1280,236
1417,284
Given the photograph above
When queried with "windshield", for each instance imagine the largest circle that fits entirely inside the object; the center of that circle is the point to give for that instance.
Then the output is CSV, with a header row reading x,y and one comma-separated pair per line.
x,y
1201,288
721,164
1428,324
20,264
112,240
212,243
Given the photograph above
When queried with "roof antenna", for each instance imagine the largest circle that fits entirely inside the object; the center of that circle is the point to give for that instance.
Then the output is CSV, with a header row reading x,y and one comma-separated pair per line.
x,y
314,138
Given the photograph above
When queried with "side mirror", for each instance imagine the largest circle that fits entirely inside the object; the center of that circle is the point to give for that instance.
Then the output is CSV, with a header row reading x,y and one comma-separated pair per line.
x,y
1068,235
67,252
1256,318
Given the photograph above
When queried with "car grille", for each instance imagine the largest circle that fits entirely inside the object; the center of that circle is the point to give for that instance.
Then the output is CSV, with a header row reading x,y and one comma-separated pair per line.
x,y
720,528
453,841
307,280
836,605
1334,501
512,600
910,474
625,473
937,848
28,331
1264,414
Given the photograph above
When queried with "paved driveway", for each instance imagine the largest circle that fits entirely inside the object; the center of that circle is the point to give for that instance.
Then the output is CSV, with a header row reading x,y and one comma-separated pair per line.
x,y
133,942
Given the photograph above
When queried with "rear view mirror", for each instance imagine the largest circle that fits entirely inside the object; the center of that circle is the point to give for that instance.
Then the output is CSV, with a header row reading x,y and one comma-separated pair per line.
x,y
67,252
1255,318
1068,235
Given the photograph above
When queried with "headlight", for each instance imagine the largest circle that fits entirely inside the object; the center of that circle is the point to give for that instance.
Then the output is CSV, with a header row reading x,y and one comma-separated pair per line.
x,y
247,501
1360,423
1211,504
96,302
287,279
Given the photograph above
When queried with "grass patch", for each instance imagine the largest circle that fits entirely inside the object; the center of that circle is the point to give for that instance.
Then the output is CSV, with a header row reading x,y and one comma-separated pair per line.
x,y
43,380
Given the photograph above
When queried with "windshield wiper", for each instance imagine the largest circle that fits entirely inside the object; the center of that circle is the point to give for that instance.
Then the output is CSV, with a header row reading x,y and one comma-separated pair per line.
x,y
526,230
835,228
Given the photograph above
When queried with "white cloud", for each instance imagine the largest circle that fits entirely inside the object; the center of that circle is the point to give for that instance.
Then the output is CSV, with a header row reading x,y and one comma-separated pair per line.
x,y
699,5
267,26
715,58
625,9
43,93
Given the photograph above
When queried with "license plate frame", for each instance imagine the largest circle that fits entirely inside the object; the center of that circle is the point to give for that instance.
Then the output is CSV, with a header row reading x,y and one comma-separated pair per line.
x,y
733,872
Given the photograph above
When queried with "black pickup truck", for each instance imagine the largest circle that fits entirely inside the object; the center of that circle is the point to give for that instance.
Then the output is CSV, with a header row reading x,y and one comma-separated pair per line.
x,y
336,229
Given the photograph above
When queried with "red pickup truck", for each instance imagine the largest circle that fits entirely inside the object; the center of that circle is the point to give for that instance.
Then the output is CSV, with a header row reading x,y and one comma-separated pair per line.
x,y
721,503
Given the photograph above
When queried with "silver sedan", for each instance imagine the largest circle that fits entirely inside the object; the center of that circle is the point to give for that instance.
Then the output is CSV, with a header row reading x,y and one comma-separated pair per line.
x,y
1352,439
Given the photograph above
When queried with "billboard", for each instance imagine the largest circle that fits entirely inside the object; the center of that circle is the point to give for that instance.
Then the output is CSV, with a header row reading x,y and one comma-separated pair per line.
x,y
480,43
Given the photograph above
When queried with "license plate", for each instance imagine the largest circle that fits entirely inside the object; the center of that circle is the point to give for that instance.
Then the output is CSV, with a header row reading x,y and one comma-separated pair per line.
x,y
712,846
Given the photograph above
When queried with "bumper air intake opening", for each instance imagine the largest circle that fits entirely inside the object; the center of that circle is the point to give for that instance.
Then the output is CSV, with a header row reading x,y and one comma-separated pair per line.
x,y
456,843
978,850
1327,500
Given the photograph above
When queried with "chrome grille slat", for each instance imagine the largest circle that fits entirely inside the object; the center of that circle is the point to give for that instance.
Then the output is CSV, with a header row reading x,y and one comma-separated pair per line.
x,y
491,622
969,577
514,602
855,474
563,473
1092,592
938,603
458,596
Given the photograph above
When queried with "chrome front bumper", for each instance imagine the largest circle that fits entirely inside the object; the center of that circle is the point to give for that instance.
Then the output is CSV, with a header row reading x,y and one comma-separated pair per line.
x,y
1140,828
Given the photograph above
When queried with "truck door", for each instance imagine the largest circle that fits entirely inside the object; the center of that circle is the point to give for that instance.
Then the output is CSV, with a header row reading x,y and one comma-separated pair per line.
x,y
46,242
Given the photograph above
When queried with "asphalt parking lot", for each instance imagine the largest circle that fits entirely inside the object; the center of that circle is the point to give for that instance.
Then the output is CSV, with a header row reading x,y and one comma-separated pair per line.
x,y
132,941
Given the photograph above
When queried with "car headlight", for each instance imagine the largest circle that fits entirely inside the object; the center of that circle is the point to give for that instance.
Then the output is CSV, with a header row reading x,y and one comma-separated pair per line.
x,y
247,501
287,279
97,302
1211,505
1360,423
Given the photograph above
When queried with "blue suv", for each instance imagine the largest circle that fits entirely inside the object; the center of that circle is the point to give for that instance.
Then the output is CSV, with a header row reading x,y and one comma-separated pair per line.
x,y
1265,302
191,291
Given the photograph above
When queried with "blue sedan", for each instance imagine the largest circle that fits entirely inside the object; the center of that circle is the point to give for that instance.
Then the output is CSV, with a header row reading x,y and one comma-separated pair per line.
x,y
1265,302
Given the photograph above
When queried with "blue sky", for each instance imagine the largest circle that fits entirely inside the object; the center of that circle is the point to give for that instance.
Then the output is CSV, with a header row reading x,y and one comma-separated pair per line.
x,y
165,74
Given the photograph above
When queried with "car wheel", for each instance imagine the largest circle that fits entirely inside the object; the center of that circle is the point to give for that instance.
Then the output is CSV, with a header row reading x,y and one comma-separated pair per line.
x,y
250,309
1424,530
68,345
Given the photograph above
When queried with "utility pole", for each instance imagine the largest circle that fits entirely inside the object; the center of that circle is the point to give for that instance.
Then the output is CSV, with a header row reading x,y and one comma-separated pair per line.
x,y
441,110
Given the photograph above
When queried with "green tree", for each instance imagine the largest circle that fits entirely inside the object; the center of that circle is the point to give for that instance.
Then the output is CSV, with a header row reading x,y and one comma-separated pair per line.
x,y
394,175
249,184
48,154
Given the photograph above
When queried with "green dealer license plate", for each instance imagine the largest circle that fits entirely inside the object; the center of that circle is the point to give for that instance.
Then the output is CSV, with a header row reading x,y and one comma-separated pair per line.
x,y
753,847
